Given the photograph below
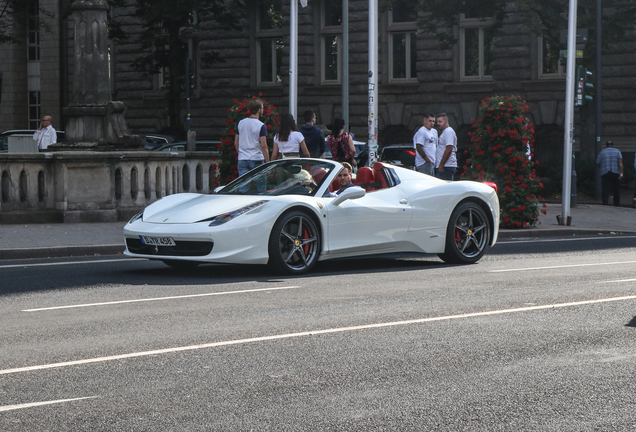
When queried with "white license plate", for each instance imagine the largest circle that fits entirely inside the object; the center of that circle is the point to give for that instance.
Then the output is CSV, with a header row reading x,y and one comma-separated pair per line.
x,y
158,241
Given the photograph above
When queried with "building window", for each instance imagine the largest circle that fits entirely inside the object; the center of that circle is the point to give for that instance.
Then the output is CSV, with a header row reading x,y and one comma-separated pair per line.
x,y
34,110
402,43
476,47
33,31
269,42
331,41
550,63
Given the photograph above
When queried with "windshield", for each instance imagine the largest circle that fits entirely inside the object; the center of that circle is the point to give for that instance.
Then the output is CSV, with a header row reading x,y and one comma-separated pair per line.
x,y
282,177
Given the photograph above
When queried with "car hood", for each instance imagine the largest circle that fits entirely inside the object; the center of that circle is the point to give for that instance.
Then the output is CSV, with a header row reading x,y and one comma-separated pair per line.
x,y
190,208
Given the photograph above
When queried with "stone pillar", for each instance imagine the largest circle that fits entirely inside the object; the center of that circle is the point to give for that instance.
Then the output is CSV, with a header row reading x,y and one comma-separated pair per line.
x,y
93,120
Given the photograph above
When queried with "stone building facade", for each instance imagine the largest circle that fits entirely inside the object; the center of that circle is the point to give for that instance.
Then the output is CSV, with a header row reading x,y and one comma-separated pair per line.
x,y
416,74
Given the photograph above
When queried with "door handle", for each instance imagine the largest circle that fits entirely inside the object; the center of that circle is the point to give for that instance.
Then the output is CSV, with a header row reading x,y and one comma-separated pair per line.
x,y
404,201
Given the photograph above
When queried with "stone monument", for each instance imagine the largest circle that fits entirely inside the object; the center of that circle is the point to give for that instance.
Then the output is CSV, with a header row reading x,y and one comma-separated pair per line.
x,y
94,122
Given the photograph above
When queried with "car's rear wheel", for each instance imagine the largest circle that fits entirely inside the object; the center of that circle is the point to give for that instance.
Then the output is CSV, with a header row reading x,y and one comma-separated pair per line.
x,y
467,234
294,244
181,265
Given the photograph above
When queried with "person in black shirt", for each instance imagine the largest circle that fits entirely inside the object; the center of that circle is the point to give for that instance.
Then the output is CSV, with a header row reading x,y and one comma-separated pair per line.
x,y
314,138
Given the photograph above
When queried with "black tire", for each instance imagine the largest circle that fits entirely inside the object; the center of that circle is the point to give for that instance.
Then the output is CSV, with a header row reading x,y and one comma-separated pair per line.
x,y
294,243
467,234
180,264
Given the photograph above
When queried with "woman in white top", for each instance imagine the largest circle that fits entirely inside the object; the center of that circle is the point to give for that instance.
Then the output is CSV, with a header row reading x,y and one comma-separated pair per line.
x,y
288,142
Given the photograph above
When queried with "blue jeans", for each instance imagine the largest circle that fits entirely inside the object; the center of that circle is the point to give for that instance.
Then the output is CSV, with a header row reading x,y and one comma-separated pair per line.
x,y
426,168
247,165
447,174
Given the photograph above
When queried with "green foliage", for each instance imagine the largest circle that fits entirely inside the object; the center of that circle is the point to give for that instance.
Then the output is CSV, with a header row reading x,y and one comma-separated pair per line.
x,y
16,12
236,113
501,140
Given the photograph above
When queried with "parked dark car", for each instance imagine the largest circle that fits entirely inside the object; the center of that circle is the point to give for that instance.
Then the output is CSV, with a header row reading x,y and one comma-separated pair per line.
x,y
200,145
155,141
4,137
398,154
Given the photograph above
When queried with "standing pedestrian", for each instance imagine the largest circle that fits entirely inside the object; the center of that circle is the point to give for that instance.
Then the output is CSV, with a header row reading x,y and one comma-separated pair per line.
x,y
610,161
314,137
341,143
45,135
251,139
288,142
425,144
446,157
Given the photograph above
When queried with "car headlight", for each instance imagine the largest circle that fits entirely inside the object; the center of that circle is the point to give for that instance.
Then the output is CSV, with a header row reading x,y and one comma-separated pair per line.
x,y
136,217
226,217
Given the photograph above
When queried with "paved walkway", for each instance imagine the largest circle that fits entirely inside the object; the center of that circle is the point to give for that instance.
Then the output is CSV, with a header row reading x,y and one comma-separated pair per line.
x,y
82,239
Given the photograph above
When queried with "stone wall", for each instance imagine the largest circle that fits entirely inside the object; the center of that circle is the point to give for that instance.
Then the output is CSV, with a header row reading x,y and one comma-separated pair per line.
x,y
97,186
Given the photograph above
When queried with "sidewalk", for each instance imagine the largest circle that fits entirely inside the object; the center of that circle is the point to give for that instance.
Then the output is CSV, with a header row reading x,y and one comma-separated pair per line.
x,y
83,239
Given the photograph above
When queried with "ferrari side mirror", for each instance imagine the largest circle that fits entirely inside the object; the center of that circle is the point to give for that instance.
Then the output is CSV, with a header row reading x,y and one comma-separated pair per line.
x,y
349,193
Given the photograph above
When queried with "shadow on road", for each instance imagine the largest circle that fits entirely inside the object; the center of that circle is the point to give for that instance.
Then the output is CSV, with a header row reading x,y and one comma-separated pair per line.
x,y
88,275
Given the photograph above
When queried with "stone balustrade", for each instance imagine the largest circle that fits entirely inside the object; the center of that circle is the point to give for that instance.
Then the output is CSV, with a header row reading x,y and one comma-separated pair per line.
x,y
88,186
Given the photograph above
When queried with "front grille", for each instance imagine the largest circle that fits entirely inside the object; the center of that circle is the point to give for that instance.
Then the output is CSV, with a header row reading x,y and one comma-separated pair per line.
x,y
182,248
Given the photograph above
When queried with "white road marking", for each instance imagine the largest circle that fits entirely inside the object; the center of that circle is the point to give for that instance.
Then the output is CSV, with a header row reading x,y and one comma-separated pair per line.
x,y
35,404
160,298
68,263
561,266
563,239
308,333
618,281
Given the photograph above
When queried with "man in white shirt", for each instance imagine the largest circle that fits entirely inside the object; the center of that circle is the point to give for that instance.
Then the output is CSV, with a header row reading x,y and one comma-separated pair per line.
x,y
45,135
446,158
250,141
425,144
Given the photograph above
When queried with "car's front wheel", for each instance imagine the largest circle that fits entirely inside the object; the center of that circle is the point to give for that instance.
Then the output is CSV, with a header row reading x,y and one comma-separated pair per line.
x,y
294,244
467,234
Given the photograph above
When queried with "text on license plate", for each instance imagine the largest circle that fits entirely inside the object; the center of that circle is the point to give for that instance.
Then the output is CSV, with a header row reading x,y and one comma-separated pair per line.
x,y
157,241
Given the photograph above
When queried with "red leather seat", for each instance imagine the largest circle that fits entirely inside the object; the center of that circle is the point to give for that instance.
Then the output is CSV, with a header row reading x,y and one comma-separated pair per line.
x,y
365,177
318,174
378,174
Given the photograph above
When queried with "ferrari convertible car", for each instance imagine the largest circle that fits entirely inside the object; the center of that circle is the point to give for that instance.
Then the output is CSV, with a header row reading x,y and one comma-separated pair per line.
x,y
282,214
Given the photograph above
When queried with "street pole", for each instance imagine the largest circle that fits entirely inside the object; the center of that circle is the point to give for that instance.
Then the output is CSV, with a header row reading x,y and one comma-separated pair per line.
x,y
565,218
293,59
372,145
598,96
345,62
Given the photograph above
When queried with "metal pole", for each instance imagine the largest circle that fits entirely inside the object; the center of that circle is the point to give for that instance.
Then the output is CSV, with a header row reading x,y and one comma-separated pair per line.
x,y
597,97
345,62
565,218
293,58
373,82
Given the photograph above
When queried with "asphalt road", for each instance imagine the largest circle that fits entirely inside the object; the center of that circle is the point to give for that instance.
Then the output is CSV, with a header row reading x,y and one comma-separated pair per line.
x,y
538,336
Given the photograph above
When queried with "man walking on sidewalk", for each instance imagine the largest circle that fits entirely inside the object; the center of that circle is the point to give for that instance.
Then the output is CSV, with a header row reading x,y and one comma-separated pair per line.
x,y
610,161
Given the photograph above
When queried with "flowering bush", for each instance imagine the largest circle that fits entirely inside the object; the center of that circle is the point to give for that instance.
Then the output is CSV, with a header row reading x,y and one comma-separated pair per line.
x,y
502,153
237,112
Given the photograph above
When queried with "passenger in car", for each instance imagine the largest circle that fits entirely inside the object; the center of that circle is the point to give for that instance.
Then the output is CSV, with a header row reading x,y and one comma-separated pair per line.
x,y
344,179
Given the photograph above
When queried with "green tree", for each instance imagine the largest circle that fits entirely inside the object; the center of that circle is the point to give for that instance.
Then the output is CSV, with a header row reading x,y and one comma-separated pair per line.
x,y
14,13
166,26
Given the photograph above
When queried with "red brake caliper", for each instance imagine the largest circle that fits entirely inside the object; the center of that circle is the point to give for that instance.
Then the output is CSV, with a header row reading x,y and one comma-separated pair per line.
x,y
457,235
305,236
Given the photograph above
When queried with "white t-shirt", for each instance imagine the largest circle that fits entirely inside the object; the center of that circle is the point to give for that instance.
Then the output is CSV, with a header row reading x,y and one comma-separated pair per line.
x,y
447,138
292,145
427,138
249,131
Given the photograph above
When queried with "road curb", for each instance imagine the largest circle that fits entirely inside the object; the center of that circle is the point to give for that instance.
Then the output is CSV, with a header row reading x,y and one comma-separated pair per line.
x,y
61,251
556,232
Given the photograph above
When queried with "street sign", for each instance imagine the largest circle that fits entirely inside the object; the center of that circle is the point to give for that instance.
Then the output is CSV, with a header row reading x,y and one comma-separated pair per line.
x,y
564,54
581,36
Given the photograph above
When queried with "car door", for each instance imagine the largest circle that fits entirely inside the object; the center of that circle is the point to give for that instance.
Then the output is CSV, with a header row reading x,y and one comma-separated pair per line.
x,y
377,221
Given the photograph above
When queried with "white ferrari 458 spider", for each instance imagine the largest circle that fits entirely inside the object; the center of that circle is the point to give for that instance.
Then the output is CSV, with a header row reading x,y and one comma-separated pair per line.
x,y
282,214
